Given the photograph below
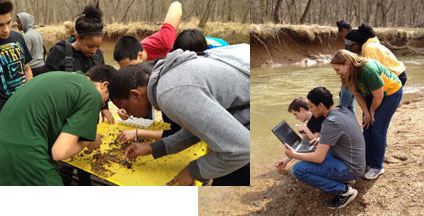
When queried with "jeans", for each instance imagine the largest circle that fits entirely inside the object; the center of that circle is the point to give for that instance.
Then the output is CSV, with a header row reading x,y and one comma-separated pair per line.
x,y
347,99
328,176
375,135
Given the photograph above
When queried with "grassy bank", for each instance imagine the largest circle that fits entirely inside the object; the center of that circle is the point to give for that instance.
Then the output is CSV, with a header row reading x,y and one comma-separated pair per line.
x,y
285,44
233,33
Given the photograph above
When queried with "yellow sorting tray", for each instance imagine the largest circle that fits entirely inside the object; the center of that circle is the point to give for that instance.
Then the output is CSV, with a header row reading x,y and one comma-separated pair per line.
x,y
144,170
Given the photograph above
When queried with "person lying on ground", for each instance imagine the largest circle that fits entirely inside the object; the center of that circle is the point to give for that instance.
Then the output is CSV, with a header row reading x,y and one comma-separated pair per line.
x,y
211,103
340,153
300,109
42,125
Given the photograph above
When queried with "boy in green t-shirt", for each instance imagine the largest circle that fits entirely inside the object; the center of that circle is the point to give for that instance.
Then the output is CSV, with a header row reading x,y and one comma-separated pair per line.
x,y
52,117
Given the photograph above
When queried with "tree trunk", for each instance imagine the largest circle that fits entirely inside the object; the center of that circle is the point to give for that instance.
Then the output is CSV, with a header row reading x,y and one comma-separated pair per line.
x,y
246,15
199,2
152,8
383,13
206,14
277,11
287,11
263,10
376,16
305,12
126,11
369,11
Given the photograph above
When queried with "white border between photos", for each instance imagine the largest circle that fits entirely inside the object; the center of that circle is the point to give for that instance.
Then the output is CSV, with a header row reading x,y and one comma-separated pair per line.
x,y
75,201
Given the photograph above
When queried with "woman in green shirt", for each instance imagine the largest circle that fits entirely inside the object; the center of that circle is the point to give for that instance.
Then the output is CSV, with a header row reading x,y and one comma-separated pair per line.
x,y
378,92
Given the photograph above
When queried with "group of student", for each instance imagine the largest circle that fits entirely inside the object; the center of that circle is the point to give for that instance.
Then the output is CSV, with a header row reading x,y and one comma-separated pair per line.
x,y
370,74
203,92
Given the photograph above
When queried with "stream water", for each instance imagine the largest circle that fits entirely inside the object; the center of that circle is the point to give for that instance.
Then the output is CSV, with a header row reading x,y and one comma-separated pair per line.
x,y
271,91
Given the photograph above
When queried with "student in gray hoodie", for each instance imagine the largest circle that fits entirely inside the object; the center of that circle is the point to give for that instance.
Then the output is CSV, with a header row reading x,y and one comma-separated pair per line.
x,y
208,96
34,42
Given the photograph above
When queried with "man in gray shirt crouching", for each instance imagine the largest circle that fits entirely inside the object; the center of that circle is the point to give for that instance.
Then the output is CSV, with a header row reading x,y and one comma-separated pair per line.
x,y
340,153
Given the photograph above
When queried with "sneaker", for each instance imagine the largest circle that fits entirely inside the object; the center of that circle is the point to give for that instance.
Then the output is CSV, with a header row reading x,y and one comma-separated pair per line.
x,y
373,173
342,200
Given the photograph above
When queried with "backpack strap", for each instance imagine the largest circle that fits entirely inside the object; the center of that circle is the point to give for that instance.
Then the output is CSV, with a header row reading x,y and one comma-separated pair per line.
x,y
96,59
69,59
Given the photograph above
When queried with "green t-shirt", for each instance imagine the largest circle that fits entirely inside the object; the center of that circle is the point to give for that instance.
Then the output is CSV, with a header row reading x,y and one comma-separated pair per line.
x,y
33,118
374,76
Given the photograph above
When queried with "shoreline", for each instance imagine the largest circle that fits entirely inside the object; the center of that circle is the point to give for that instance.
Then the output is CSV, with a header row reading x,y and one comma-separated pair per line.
x,y
275,45
396,192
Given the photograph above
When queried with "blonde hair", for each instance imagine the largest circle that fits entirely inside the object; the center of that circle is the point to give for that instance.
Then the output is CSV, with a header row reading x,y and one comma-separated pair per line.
x,y
357,63
69,27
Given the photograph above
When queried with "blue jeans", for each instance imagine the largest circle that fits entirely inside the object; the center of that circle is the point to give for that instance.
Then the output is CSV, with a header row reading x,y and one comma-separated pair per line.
x,y
347,99
328,176
375,135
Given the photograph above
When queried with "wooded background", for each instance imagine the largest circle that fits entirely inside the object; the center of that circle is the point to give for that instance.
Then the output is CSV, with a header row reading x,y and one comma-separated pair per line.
x,y
378,13
47,12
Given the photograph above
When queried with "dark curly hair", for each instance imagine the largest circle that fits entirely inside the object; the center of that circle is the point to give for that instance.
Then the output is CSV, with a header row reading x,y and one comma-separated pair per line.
x,y
130,77
343,25
321,95
362,34
90,21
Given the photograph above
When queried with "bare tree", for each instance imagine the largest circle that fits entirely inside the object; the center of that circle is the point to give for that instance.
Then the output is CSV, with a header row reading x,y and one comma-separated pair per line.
x,y
126,11
287,11
194,9
384,11
246,17
277,11
305,12
207,13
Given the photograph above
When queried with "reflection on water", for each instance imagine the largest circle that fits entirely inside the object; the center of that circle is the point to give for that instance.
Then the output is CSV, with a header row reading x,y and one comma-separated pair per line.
x,y
272,90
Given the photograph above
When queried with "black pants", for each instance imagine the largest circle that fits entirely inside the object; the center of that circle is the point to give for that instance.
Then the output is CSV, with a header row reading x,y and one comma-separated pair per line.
x,y
403,78
66,172
240,177
37,71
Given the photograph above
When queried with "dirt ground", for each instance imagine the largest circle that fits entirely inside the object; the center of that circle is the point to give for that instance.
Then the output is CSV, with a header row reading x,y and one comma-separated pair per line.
x,y
399,191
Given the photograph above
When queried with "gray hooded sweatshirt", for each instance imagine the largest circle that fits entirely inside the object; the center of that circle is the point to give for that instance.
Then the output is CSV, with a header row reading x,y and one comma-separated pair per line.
x,y
33,40
209,97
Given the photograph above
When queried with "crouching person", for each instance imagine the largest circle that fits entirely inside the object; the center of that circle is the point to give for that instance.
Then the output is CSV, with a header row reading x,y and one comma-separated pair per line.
x,y
340,153
208,96
51,118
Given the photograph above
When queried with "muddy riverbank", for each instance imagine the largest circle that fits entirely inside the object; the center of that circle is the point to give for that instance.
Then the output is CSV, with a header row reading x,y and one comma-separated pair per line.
x,y
275,45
